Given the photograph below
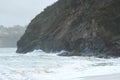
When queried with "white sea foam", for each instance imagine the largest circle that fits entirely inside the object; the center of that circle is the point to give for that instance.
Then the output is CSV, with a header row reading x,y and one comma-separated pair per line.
x,y
38,65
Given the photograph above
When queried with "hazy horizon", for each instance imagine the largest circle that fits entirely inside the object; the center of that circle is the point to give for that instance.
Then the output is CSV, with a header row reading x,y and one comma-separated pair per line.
x,y
14,12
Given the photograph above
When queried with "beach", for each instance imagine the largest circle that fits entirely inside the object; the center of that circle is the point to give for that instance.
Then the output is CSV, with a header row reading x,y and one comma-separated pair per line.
x,y
104,77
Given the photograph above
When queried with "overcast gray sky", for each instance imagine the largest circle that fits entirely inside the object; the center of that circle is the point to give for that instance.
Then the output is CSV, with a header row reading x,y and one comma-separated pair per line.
x,y
20,12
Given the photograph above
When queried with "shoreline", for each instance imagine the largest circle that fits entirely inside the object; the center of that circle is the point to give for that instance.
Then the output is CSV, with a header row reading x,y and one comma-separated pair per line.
x,y
104,77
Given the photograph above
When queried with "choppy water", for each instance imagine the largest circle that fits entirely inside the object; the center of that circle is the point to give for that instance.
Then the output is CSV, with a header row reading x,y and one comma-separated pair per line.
x,y
41,66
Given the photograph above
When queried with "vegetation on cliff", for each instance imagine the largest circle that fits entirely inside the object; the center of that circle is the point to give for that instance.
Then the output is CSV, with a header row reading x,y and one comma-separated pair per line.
x,y
81,27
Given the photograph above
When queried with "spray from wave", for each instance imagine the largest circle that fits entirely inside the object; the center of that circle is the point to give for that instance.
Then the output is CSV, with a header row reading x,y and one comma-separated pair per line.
x,y
38,65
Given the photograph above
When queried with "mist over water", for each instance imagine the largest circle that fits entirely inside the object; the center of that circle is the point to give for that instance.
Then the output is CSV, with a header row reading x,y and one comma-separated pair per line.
x,y
38,65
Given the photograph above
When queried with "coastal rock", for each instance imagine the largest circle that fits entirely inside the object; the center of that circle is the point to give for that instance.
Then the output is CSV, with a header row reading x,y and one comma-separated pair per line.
x,y
88,27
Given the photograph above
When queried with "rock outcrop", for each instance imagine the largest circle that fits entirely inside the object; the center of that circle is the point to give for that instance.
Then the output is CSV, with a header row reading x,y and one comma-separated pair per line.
x,y
80,27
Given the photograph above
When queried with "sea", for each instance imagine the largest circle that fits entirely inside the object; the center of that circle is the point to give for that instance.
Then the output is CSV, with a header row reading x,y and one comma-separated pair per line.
x,y
38,65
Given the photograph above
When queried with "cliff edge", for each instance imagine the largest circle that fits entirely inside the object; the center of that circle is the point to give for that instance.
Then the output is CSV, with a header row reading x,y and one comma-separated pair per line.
x,y
80,27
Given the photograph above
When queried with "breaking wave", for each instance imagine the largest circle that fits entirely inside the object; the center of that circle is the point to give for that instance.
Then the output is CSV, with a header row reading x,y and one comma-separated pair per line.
x,y
38,65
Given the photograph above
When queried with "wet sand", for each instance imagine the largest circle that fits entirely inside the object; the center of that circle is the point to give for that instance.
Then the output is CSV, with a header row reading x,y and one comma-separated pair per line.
x,y
104,77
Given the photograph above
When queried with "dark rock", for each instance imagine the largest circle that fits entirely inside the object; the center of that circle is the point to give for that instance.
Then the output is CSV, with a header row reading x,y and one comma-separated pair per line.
x,y
88,27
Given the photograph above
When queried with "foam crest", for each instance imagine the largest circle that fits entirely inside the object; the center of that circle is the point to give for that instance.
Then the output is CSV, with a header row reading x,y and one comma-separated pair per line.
x,y
40,65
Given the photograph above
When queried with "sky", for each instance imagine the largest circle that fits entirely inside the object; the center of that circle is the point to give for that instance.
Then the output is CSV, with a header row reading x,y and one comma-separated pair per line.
x,y
21,12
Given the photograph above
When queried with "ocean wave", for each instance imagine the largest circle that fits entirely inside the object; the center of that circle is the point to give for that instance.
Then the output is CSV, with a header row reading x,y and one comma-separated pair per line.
x,y
40,65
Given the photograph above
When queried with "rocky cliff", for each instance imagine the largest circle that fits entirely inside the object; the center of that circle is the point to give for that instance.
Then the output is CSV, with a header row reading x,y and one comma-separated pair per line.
x,y
81,27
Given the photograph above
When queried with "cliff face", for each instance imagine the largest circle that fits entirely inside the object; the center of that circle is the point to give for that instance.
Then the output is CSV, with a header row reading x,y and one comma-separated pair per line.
x,y
81,27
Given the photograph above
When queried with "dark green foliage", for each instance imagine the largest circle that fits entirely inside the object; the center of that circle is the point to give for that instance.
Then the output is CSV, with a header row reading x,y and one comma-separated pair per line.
x,y
80,26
